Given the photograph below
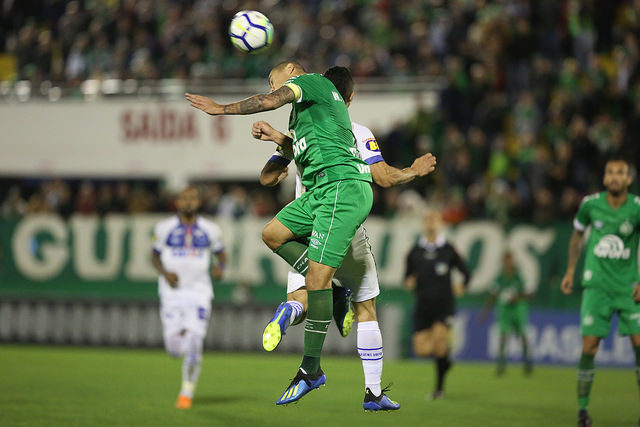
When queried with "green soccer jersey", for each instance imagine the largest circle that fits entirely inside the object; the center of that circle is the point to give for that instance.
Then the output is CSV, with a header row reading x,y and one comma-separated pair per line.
x,y
323,142
611,260
508,286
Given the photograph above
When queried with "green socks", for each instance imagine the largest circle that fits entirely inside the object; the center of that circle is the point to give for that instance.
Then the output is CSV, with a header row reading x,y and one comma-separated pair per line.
x,y
585,379
319,311
295,254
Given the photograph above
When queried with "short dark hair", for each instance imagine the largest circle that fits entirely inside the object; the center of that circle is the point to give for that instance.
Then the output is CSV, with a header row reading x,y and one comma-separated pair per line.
x,y
293,62
618,157
342,80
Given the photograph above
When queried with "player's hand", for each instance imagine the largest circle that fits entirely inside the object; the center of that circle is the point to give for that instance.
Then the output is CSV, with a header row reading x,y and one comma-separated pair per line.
x,y
205,104
636,293
217,273
458,289
567,283
264,131
424,164
172,278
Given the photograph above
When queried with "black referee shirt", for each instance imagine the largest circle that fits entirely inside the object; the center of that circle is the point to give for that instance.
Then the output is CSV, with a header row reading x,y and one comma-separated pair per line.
x,y
431,263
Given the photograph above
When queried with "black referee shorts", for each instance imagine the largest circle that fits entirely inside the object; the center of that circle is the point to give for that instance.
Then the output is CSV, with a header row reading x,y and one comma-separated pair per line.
x,y
426,315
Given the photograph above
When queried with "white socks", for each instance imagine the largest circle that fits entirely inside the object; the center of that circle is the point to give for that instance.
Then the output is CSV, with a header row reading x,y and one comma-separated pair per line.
x,y
370,351
192,363
297,313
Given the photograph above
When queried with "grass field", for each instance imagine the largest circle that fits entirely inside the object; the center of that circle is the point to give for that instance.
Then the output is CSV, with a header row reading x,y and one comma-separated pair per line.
x,y
59,386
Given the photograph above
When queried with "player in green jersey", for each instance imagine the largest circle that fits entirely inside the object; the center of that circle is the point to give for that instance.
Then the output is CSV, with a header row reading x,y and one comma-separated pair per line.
x,y
512,311
337,201
610,277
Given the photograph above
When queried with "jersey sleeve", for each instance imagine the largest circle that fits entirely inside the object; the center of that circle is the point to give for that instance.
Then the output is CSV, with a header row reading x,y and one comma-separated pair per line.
x,y
159,239
215,237
411,265
367,145
296,84
582,219
280,157
461,265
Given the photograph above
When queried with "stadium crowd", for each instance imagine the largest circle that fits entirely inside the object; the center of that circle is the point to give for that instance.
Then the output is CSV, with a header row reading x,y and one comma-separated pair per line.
x,y
538,93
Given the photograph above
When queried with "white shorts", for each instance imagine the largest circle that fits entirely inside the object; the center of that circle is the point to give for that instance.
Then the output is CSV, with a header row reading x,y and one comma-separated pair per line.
x,y
358,270
185,314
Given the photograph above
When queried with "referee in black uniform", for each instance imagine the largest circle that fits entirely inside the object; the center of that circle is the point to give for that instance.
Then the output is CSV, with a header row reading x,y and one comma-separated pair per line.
x,y
428,272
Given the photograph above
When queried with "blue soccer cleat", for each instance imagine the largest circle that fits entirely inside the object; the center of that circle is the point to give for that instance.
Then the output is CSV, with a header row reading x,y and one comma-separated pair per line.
x,y
379,403
274,330
301,385
342,309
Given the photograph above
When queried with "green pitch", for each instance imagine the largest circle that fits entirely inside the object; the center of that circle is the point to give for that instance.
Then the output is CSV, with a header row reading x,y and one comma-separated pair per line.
x,y
56,386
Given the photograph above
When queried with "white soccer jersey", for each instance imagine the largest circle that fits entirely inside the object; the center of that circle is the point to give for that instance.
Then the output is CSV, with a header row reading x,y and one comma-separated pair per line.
x,y
186,250
365,143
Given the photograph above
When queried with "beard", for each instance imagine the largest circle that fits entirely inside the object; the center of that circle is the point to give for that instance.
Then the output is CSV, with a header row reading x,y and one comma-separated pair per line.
x,y
188,213
615,192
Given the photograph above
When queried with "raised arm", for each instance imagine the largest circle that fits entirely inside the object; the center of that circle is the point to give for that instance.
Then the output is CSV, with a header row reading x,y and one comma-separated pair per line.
x,y
254,104
575,247
387,176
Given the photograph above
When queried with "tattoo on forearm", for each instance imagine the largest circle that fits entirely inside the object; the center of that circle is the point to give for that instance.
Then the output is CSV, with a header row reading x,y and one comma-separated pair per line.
x,y
251,105
259,103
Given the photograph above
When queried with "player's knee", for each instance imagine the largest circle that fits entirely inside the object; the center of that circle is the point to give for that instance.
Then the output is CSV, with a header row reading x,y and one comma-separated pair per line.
x,y
272,236
590,348
173,344
268,237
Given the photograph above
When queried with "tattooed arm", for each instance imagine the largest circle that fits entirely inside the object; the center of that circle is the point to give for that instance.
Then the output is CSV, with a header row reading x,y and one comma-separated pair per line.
x,y
255,104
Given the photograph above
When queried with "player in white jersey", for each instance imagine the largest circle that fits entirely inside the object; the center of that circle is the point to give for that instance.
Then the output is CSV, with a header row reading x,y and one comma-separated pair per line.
x,y
358,270
182,250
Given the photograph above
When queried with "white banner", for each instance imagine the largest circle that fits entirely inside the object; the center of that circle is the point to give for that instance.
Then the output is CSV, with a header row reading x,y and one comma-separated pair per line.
x,y
167,140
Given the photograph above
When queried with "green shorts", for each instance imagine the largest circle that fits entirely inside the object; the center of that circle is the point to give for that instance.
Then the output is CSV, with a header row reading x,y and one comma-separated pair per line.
x,y
329,215
597,310
513,318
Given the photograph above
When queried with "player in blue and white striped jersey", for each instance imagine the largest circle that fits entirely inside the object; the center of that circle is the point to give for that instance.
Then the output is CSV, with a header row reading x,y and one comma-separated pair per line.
x,y
183,246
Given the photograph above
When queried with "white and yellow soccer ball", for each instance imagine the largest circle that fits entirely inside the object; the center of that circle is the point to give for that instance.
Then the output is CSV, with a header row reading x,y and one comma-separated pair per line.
x,y
250,31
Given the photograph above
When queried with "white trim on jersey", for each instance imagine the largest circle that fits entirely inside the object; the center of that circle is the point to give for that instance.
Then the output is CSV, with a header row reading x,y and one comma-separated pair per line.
x,y
578,225
366,144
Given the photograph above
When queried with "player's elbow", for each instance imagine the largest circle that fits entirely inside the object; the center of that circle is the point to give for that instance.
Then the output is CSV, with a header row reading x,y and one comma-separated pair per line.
x,y
267,180
383,181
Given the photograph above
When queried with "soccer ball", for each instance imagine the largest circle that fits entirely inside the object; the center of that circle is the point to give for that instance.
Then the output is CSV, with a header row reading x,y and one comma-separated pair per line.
x,y
250,31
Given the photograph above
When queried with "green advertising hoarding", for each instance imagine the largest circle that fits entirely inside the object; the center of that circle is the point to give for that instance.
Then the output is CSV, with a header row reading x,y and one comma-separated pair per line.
x,y
109,257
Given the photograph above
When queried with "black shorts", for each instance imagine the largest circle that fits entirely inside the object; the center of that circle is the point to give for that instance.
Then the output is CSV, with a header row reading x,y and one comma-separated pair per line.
x,y
426,315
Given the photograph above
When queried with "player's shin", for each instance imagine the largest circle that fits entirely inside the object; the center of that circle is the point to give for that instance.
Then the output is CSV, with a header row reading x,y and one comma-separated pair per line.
x,y
370,351
295,254
319,311
586,368
192,364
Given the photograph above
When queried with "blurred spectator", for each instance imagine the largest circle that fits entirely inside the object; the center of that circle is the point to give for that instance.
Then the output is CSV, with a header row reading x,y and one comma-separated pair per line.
x,y
537,93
